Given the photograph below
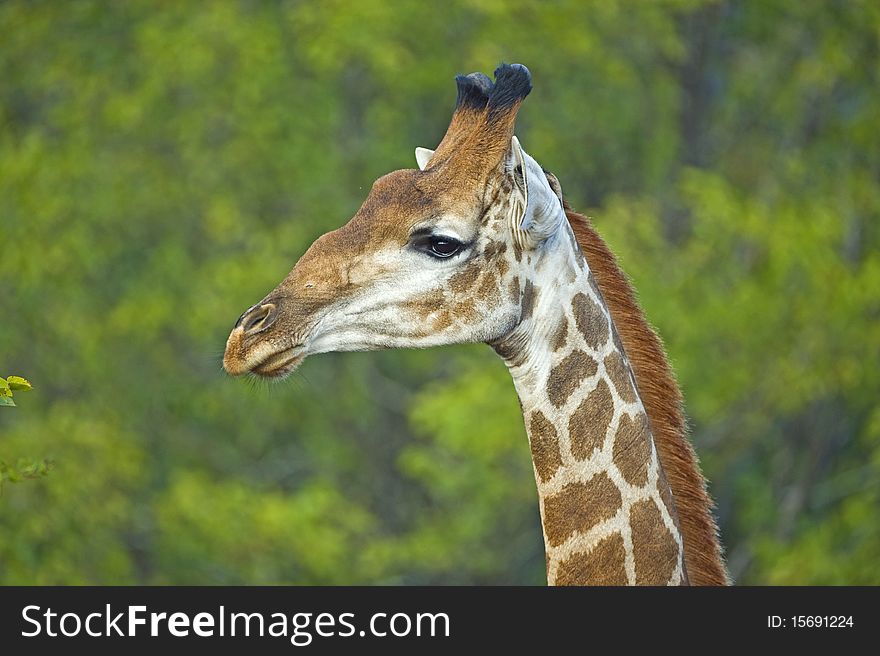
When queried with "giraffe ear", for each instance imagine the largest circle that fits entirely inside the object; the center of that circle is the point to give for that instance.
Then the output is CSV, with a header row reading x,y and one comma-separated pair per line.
x,y
540,206
423,156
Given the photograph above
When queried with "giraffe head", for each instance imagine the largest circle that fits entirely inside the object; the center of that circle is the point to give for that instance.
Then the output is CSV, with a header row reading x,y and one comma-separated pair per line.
x,y
442,254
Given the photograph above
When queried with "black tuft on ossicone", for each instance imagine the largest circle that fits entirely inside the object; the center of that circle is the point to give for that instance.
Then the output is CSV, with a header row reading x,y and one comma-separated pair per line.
x,y
513,82
473,91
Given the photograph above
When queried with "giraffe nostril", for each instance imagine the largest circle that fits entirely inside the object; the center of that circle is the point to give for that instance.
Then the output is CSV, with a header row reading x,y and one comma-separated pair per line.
x,y
259,318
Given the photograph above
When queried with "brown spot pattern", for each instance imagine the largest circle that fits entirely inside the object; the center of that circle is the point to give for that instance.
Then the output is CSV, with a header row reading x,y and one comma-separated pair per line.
x,y
588,424
603,565
662,399
513,289
530,296
590,320
567,375
619,374
494,248
654,548
430,302
544,443
488,289
578,507
558,340
466,311
666,496
465,279
442,321
615,337
632,452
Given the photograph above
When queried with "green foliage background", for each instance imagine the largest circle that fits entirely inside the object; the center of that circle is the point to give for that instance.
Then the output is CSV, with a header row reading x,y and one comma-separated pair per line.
x,y
163,165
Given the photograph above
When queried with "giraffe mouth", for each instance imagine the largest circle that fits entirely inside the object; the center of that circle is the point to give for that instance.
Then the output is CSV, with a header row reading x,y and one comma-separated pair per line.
x,y
279,364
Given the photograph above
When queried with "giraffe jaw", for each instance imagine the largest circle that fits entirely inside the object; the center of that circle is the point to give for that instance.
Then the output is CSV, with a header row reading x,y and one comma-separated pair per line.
x,y
279,365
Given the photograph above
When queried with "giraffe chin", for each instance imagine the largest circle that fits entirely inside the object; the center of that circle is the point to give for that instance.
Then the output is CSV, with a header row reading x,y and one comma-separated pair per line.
x,y
279,365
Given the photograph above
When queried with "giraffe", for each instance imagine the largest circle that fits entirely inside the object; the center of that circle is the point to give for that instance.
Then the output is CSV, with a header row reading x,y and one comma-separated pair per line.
x,y
478,245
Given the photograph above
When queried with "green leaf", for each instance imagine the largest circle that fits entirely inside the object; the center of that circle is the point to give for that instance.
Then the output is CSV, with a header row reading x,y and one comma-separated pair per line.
x,y
19,383
6,400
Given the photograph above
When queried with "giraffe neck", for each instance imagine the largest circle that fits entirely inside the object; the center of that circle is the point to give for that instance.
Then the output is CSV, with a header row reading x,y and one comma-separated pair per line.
x,y
606,507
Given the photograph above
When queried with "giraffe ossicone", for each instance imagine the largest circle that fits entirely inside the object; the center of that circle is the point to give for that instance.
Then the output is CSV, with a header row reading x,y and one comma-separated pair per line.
x,y
475,245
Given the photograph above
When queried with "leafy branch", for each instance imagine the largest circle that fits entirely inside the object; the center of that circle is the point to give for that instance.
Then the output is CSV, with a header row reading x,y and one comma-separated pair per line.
x,y
23,469
10,385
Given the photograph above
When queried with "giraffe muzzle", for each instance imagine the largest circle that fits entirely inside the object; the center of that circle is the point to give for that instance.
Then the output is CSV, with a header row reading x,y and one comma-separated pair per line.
x,y
253,348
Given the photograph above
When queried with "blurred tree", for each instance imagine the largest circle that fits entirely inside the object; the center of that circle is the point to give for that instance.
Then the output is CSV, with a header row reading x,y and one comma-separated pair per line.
x,y
163,166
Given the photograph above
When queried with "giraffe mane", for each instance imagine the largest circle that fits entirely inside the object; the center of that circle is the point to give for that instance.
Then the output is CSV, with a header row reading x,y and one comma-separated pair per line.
x,y
663,403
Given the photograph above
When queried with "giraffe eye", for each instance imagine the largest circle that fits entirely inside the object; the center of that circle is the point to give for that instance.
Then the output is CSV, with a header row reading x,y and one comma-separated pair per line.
x,y
444,247
438,246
